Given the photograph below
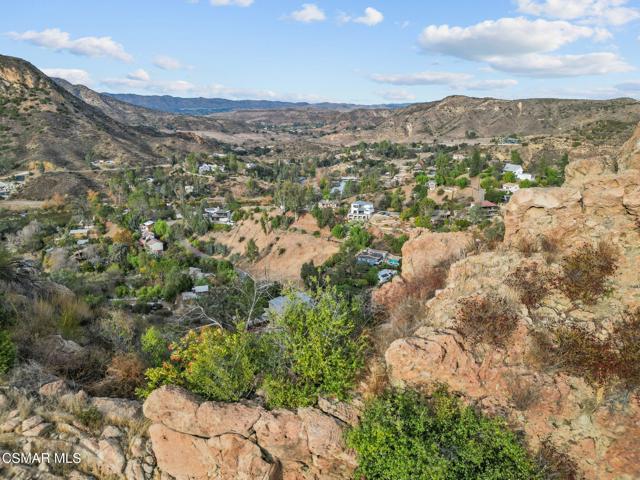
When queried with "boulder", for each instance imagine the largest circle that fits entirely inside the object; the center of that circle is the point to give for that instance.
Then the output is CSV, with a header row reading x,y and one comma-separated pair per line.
x,y
54,389
117,410
111,456
228,456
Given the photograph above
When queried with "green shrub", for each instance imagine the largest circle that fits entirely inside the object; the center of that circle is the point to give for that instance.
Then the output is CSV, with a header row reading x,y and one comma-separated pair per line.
x,y
322,350
407,436
7,352
154,345
215,363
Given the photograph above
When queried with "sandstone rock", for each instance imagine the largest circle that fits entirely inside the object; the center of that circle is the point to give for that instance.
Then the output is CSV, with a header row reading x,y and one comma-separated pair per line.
x,y
343,411
10,425
442,247
38,430
134,470
54,389
175,408
228,456
578,170
111,456
111,432
630,152
117,410
180,411
31,422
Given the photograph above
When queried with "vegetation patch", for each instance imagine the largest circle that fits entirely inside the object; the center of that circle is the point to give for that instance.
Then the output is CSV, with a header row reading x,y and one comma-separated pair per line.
x,y
405,435
585,272
488,318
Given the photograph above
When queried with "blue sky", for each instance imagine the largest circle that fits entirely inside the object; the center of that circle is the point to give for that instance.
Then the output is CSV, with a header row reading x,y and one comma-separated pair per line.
x,y
316,50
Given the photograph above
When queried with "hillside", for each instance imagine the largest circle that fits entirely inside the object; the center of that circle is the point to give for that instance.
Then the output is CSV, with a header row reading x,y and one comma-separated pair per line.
x,y
132,114
42,122
599,121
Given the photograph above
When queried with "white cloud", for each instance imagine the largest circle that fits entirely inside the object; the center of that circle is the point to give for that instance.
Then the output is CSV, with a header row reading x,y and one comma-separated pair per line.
x,y
370,18
397,95
451,79
522,46
308,13
56,39
130,83
506,36
537,65
167,63
71,75
423,78
139,74
234,3
611,12
491,84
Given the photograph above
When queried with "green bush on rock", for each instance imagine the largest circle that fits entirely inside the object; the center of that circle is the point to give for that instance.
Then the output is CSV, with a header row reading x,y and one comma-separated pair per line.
x,y
404,435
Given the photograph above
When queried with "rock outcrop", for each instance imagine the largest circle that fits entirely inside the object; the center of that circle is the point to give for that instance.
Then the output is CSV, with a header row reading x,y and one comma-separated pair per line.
x,y
211,440
596,429
630,153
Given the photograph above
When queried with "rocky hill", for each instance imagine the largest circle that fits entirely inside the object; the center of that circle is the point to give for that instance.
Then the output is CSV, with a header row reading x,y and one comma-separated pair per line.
x,y
42,122
457,117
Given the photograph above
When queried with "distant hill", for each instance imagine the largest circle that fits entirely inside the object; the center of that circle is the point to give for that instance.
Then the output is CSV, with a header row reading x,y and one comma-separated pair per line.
x,y
42,122
456,117
131,114
206,106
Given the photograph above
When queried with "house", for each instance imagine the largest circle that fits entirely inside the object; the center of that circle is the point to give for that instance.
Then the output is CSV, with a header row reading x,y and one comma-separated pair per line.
x,y
361,210
154,246
218,215
186,296
206,168
328,204
278,305
147,226
518,171
79,233
371,257
200,289
489,209
431,184
82,241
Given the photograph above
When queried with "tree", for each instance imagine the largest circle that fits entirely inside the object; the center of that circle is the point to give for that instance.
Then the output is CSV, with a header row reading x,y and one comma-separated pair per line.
x,y
476,165
251,250
161,228
321,350
515,157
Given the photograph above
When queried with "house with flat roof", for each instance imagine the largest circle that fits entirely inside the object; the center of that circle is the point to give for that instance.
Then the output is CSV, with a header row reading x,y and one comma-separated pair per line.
x,y
361,210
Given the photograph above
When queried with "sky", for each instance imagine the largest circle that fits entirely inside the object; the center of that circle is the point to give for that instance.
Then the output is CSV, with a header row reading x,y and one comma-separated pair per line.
x,y
333,50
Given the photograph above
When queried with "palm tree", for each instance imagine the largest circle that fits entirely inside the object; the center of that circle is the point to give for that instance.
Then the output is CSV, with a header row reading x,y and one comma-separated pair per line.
x,y
12,271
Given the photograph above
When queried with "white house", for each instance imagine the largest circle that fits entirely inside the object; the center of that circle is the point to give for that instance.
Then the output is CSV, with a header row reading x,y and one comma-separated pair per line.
x,y
154,246
218,215
361,210
518,171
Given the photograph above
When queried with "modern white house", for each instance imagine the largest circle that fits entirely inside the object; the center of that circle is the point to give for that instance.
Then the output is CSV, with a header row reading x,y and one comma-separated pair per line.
x,y
361,210
154,246
518,171
218,215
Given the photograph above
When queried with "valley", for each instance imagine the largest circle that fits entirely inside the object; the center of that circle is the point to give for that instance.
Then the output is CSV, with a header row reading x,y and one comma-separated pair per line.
x,y
197,288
